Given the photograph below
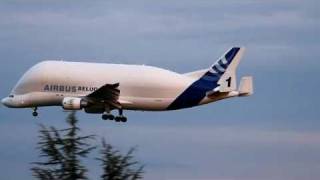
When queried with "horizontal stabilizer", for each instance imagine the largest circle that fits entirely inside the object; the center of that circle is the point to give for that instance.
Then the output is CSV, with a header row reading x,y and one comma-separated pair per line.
x,y
246,86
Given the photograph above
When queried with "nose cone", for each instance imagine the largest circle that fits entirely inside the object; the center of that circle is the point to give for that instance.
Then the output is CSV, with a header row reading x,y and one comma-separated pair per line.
x,y
4,101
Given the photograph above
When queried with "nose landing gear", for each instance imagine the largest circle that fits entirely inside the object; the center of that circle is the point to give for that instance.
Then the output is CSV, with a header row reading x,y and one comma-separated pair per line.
x,y
35,113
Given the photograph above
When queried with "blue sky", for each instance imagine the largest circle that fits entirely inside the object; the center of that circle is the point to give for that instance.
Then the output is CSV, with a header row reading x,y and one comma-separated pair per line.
x,y
272,135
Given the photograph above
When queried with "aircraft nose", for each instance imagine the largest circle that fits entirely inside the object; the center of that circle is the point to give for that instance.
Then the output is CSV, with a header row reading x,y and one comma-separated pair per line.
x,y
5,101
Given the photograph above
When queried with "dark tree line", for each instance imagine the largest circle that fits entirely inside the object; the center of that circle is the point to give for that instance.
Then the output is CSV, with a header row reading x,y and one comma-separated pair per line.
x,y
62,152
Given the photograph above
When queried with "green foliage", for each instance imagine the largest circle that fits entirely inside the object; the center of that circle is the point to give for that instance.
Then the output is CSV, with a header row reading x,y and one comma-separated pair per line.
x,y
62,151
118,167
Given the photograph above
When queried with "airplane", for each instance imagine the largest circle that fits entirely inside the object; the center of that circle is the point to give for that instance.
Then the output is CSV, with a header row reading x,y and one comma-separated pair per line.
x,y
101,88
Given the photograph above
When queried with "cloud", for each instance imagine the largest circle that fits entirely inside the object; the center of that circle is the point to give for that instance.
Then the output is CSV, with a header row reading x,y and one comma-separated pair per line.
x,y
221,152
225,135
280,28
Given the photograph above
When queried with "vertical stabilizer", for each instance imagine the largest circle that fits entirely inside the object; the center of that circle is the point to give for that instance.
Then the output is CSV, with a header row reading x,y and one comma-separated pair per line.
x,y
220,77
227,67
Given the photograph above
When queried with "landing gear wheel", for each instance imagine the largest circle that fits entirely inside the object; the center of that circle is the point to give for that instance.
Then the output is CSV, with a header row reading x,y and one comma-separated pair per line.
x,y
107,117
118,119
34,114
121,119
124,119
107,114
111,117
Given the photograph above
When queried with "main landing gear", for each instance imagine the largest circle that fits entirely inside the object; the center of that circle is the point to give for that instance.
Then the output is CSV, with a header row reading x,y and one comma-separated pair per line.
x,y
121,117
108,116
35,113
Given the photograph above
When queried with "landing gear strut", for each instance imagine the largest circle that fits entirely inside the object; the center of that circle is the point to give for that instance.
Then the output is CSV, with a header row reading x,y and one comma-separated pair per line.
x,y
107,115
121,117
35,113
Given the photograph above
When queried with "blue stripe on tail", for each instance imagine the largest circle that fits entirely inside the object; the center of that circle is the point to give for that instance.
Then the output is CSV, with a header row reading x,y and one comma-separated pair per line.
x,y
193,95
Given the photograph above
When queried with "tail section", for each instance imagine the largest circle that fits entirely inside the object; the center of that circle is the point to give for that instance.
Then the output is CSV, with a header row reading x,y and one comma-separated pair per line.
x,y
246,86
220,77
224,65
222,74
226,68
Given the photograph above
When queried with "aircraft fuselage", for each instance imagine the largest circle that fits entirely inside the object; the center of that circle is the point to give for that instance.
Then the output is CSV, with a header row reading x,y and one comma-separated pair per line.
x,y
142,87
101,88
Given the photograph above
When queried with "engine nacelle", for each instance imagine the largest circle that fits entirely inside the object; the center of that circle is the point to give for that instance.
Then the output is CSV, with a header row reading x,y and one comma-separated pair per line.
x,y
73,103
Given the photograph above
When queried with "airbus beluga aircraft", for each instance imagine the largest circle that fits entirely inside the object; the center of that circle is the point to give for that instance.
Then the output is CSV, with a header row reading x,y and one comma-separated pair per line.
x,y
101,88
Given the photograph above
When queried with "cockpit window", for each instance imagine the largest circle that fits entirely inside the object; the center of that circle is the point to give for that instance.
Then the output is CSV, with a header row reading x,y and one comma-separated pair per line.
x,y
11,96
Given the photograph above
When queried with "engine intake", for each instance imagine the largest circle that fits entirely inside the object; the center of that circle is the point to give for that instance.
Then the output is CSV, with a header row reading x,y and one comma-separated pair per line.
x,y
73,103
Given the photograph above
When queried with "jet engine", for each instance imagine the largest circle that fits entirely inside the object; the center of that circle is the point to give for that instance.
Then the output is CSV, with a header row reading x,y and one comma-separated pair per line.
x,y
74,103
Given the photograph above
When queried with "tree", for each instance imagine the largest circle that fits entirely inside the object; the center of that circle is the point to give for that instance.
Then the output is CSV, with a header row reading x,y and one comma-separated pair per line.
x,y
118,167
62,151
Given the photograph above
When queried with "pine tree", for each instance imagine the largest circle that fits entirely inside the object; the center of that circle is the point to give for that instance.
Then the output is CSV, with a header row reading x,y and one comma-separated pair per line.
x,y
62,151
118,167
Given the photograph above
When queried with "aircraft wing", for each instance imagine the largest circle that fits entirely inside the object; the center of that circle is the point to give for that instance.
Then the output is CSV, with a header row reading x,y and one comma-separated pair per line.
x,y
107,94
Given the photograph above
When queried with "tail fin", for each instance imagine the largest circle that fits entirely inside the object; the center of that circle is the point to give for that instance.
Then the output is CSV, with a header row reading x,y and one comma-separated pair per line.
x,y
222,74
225,68
220,77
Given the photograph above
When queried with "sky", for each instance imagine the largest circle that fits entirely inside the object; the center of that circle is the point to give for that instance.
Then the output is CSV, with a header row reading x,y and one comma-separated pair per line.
x,y
272,135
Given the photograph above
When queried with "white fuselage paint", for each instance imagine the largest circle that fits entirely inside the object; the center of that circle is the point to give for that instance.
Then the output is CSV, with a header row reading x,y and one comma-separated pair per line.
x,y
141,87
